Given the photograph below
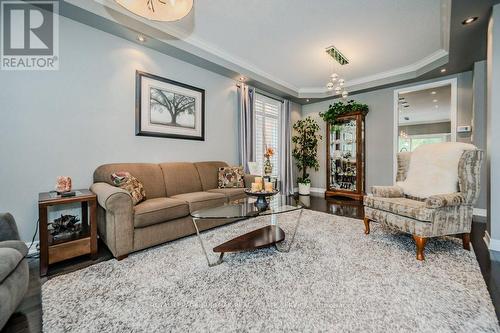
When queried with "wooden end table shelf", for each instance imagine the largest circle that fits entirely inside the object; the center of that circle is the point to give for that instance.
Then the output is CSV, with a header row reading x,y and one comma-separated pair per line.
x,y
73,247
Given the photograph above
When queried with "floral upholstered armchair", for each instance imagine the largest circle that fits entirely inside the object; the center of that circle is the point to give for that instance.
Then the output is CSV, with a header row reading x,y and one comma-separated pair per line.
x,y
436,188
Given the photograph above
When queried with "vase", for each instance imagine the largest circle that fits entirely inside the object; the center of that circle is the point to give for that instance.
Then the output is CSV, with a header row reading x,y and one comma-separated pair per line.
x,y
268,167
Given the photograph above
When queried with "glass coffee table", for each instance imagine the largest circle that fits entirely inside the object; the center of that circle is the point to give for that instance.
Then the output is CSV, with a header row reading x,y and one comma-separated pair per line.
x,y
269,235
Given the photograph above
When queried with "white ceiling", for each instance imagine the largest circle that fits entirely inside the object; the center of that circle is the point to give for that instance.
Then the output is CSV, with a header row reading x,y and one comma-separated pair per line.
x,y
283,41
424,106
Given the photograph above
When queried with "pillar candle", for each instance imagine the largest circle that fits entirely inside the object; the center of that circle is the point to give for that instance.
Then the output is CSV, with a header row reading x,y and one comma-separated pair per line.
x,y
258,180
268,187
256,187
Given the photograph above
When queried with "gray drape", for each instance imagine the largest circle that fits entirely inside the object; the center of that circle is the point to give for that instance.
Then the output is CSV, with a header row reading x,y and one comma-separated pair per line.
x,y
285,152
246,107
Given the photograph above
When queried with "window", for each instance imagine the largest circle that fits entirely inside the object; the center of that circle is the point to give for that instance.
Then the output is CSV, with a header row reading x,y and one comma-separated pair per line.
x,y
411,142
267,130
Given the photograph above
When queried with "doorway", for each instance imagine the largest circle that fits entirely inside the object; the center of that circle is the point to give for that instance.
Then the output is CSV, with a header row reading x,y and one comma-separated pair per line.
x,y
424,114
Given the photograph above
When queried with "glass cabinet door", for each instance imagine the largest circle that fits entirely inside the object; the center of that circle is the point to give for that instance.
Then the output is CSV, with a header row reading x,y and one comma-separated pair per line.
x,y
343,164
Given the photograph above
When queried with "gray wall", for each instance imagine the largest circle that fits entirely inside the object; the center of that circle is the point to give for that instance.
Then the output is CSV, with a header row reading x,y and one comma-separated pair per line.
x,y
435,128
479,124
380,129
493,127
68,122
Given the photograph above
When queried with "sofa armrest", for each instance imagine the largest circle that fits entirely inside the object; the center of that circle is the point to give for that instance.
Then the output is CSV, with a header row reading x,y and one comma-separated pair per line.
x,y
111,197
444,200
387,191
16,245
8,228
117,226
249,179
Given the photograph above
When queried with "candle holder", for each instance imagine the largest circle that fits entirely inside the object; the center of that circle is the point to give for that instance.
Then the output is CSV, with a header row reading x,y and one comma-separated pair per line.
x,y
261,203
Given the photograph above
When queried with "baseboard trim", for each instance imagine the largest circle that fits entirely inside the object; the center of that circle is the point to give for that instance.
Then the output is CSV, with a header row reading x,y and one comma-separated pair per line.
x,y
494,244
318,190
480,212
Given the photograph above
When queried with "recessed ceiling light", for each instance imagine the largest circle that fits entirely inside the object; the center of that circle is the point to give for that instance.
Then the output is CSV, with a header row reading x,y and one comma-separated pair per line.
x,y
435,100
141,38
469,20
307,100
433,92
443,70
436,106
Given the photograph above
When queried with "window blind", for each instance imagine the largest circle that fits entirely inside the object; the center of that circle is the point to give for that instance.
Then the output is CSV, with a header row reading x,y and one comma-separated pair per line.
x,y
267,129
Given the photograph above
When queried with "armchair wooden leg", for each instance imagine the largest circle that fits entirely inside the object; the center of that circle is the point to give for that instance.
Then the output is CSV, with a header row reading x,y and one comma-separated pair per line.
x,y
466,241
420,242
122,257
367,225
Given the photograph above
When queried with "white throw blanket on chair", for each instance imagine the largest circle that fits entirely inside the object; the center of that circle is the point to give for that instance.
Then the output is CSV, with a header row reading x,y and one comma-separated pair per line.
x,y
434,169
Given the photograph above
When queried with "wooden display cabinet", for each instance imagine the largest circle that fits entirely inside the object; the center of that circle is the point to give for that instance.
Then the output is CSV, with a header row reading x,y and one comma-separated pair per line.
x,y
345,156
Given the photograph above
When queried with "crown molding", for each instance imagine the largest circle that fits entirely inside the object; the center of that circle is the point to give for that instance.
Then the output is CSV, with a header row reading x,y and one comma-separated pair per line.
x,y
171,35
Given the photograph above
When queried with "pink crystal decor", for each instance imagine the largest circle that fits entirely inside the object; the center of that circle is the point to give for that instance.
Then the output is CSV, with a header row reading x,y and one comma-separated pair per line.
x,y
63,184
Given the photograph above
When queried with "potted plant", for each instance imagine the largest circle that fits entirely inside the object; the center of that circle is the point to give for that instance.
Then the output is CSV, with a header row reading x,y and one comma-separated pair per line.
x,y
339,108
305,151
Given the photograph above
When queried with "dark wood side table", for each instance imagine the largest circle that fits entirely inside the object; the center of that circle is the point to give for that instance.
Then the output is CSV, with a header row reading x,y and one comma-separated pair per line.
x,y
85,242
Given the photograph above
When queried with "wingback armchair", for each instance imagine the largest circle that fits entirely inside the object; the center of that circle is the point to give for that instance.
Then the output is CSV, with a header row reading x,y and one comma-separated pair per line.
x,y
436,215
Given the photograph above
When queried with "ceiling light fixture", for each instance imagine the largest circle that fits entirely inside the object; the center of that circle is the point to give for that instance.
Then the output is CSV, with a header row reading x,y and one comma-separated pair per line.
x,y
158,10
469,20
433,92
335,82
242,79
141,38
435,100
307,99
443,70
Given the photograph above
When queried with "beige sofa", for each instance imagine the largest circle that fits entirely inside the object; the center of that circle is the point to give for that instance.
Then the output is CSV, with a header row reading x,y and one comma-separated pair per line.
x,y
173,190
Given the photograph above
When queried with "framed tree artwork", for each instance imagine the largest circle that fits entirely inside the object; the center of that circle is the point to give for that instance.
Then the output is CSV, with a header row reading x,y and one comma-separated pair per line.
x,y
170,109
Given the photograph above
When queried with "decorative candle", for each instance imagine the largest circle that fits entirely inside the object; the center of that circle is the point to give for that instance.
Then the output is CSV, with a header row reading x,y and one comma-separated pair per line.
x,y
268,186
258,180
256,187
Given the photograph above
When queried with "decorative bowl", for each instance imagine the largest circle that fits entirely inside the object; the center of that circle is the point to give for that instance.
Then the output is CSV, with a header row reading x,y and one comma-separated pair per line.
x,y
261,202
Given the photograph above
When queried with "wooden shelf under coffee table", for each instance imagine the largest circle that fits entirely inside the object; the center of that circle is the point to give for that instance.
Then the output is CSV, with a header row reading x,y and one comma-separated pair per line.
x,y
269,235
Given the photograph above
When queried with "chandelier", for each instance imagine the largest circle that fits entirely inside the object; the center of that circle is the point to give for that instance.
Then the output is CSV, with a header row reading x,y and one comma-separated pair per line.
x,y
337,83
158,10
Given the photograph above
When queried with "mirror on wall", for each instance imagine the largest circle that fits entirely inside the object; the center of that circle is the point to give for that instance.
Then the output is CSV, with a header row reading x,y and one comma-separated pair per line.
x,y
425,115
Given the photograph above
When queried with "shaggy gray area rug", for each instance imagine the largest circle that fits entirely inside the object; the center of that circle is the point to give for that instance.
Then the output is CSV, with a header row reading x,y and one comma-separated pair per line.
x,y
335,278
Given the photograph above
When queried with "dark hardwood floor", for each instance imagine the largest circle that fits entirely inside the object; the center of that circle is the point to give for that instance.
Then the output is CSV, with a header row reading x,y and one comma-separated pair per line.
x,y
28,317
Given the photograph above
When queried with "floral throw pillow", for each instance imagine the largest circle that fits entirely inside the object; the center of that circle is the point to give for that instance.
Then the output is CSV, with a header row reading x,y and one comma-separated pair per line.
x,y
231,177
129,183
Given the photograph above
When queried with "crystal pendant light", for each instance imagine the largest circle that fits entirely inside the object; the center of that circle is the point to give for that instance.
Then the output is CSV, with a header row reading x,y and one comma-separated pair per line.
x,y
158,10
329,86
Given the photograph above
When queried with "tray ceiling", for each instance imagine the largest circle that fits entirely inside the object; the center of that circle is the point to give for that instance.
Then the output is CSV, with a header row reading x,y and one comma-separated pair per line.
x,y
282,42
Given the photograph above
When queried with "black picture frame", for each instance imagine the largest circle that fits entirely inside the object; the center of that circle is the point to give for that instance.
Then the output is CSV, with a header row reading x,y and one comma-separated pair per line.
x,y
139,131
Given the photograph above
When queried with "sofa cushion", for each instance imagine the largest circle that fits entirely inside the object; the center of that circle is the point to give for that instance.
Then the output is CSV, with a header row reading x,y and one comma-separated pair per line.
x,y
231,193
401,206
208,172
181,178
158,210
9,259
150,175
200,200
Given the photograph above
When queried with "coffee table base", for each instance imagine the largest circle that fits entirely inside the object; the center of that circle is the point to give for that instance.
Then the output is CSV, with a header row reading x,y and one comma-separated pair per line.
x,y
260,238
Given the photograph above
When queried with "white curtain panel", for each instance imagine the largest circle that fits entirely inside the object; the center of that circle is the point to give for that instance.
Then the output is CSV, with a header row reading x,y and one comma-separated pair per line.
x,y
285,153
246,109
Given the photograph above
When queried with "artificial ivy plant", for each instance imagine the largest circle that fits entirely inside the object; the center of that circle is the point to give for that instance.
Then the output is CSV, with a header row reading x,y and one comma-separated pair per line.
x,y
305,148
339,108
